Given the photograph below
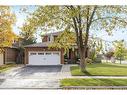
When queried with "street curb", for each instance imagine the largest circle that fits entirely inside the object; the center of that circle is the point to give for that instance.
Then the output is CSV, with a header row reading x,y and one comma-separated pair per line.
x,y
95,87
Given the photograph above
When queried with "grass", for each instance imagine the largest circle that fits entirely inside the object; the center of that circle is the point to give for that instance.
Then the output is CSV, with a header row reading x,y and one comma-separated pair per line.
x,y
101,70
6,67
93,82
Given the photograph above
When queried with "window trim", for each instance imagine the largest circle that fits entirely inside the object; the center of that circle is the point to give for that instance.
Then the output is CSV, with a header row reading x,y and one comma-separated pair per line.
x,y
33,53
56,53
40,53
48,53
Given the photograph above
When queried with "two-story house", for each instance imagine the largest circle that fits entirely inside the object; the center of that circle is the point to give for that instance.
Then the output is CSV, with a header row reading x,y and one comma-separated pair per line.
x,y
40,54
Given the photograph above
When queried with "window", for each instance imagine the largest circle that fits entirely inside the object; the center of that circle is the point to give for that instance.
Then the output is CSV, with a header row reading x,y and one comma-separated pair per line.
x,y
40,53
48,53
55,53
32,53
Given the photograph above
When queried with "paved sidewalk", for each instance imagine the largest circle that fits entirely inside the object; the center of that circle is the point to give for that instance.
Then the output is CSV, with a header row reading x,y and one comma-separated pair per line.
x,y
65,71
29,83
121,77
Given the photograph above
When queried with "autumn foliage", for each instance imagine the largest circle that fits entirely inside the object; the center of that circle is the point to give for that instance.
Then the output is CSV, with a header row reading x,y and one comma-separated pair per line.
x,y
7,19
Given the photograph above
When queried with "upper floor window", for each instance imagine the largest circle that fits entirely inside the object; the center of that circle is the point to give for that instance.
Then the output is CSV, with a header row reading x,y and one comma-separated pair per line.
x,y
49,38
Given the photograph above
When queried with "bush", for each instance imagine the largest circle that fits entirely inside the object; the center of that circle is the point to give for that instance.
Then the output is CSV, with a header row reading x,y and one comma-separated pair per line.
x,y
88,61
109,55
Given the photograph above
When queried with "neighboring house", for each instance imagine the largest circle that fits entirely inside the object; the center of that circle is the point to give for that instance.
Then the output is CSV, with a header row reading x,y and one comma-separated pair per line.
x,y
40,54
9,55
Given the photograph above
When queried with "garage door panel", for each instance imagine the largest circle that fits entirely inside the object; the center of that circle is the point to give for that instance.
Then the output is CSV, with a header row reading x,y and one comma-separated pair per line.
x,y
55,57
36,60
44,58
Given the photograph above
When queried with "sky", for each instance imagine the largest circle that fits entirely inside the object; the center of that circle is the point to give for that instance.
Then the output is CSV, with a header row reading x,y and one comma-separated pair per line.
x,y
20,19
20,16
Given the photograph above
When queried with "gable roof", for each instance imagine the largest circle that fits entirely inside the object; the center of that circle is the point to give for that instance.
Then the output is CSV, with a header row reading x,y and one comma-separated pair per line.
x,y
44,44
52,33
9,47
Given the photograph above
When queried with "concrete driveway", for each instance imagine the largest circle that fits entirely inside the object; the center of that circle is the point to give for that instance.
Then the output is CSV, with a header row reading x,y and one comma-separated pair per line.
x,y
31,77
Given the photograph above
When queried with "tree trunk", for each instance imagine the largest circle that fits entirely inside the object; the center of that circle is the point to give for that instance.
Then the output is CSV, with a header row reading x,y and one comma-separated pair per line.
x,y
82,61
120,60
82,46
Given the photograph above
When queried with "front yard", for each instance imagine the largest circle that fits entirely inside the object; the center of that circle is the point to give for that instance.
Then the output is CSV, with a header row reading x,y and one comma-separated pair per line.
x,y
93,82
6,67
101,70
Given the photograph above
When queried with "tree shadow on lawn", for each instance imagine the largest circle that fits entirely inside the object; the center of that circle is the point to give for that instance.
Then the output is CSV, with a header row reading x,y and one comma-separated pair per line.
x,y
87,73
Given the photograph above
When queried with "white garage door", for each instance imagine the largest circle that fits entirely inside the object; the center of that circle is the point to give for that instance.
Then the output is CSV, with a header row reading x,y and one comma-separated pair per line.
x,y
44,58
1,59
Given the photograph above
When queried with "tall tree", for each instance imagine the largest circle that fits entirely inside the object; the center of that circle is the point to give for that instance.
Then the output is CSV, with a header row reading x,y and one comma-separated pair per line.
x,y
7,19
27,35
79,19
119,50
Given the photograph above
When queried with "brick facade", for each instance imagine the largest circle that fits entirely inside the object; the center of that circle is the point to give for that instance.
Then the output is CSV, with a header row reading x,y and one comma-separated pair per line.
x,y
45,39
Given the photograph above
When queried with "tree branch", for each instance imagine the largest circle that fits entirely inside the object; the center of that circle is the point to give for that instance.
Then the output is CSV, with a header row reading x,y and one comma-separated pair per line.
x,y
94,10
76,29
88,24
101,18
117,18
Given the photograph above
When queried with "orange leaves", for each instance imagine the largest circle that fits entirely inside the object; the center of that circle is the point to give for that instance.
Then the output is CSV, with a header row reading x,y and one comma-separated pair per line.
x,y
7,19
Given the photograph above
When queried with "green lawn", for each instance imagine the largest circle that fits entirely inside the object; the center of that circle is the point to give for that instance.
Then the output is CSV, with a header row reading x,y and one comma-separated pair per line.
x,y
101,70
93,82
6,67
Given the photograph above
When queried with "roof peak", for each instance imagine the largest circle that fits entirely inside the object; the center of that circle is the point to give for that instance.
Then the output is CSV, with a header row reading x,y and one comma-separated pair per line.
x,y
53,33
40,44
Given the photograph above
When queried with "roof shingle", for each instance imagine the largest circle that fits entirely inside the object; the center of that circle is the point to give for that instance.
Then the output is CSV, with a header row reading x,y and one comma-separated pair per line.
x,y
44,44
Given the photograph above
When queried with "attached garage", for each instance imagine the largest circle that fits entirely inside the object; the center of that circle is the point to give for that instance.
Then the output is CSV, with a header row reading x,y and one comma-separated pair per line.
x,y
1,58
40,54
44,58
